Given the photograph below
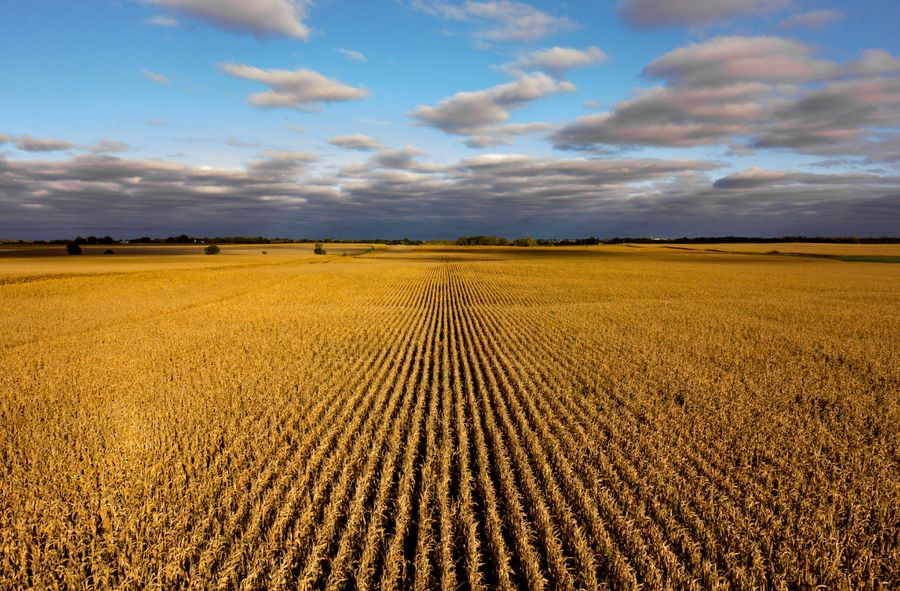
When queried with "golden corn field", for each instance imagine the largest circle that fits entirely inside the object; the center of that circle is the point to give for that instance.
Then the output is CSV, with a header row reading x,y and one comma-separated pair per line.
x,y
449,418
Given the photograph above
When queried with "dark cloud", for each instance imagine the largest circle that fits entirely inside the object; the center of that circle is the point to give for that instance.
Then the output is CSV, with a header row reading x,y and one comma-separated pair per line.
x,y
757,178
398,192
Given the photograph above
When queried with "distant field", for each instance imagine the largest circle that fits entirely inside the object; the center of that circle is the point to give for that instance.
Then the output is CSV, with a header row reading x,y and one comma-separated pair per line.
x,y
870,252
450,418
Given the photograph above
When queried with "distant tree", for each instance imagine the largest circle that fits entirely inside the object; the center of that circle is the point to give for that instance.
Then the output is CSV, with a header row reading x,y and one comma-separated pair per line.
x,y
264,252
529,241
319,249
211,249
73,249
109,251
482,240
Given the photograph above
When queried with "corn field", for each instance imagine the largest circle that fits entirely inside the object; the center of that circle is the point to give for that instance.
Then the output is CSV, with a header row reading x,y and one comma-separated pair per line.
x,y
442,418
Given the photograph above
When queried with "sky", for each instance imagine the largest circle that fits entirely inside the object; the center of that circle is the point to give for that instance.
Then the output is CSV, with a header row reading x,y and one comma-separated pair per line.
x,y
432,119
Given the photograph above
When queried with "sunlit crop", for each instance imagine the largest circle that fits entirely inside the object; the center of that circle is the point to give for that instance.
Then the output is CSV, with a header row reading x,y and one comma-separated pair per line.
x,y
450,418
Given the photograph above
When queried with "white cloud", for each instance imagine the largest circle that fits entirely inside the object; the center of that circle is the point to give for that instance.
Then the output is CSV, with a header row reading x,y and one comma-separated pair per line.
x,y
159,20
156,77
875,62
301,89
557,60
506,20
356,141
280,164
478,113
261,18
109,147
26,143
754,93
814,19
352,54
726,60
661,13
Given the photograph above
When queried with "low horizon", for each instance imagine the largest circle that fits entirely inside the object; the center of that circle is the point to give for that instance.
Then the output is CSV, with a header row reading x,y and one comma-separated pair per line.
x,y
445,118
93,239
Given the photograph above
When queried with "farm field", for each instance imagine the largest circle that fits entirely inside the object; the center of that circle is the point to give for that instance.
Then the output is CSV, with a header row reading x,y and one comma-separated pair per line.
x,y
607,417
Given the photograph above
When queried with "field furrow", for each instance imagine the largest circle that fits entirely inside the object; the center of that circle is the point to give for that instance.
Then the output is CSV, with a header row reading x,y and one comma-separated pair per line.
x,y
453,419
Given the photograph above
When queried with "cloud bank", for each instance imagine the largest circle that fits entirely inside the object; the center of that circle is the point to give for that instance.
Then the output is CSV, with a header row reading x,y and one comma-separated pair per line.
x,y
399,192
753,93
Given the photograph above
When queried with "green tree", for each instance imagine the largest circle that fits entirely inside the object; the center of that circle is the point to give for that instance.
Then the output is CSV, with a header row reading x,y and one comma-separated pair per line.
x,y
73,249
319,249
211,249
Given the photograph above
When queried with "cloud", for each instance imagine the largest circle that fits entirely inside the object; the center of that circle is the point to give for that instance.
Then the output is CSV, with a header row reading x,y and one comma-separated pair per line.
x,y
503,135
236,142
109,147
261,18
814,19
280,164
159,20
478,113
827,119
296,128
398,192
663,13
756,178
752,93
356,141
352,54
506,20
555,61
407,158
27,143
875,62
301,89
156,77
726,60
671,117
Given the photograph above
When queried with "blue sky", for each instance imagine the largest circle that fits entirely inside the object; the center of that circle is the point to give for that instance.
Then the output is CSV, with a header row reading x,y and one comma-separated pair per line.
x,y
345,118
